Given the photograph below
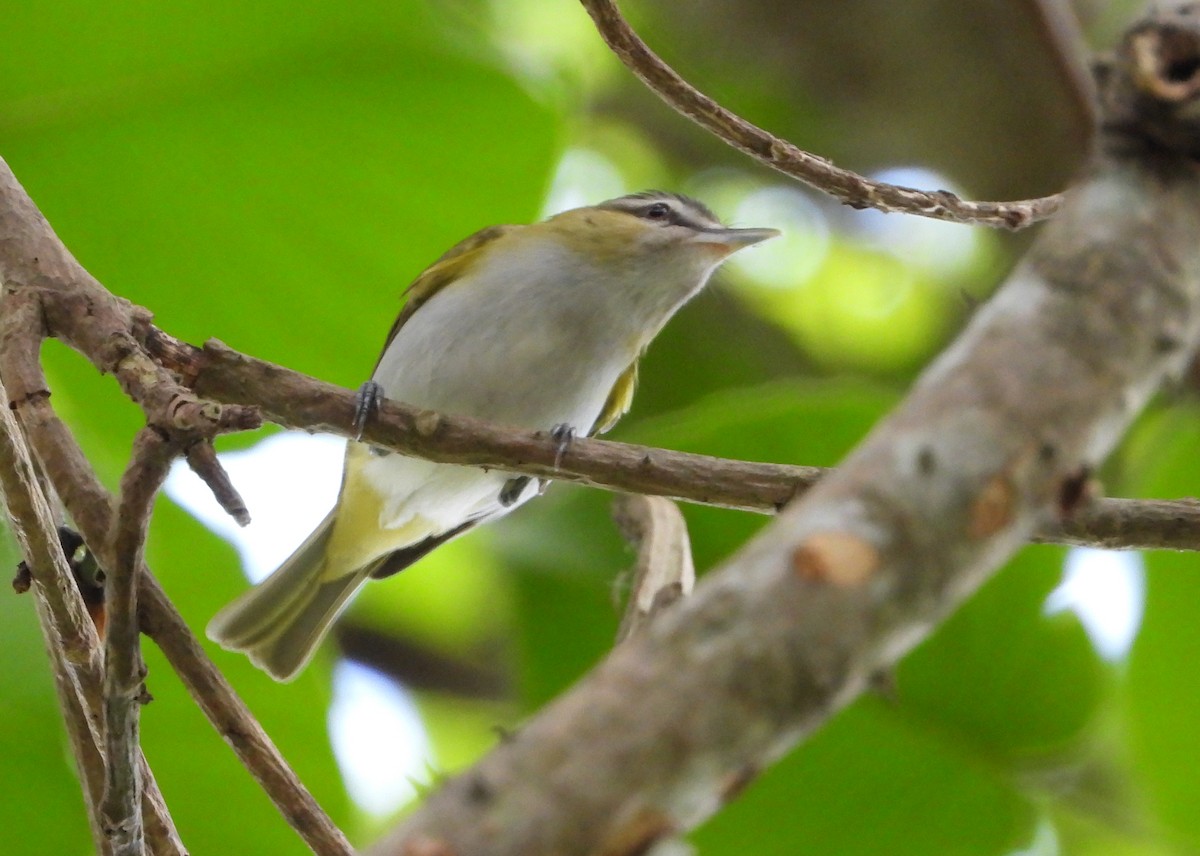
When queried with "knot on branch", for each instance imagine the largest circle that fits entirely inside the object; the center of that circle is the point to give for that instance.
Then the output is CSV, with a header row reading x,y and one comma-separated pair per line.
x,y
189,424
1149,87
191,415
1166,60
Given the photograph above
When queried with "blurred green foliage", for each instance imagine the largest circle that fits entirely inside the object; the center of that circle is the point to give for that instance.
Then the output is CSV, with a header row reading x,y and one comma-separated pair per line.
x,y
273,173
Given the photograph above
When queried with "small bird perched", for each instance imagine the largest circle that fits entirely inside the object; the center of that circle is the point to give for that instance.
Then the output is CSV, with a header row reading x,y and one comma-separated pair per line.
x,y
534,326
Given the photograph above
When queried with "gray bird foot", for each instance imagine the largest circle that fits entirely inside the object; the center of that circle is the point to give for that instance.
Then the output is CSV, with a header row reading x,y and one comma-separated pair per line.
x,y
564,435
366,405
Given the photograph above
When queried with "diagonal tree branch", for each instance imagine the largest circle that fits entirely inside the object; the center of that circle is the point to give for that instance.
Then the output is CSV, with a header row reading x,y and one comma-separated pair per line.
x,y
73,645
997,435
91,508
47,292
67,632
852,189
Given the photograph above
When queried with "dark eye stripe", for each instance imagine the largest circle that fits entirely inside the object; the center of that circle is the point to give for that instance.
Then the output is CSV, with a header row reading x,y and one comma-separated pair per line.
x,y
659,211
648,205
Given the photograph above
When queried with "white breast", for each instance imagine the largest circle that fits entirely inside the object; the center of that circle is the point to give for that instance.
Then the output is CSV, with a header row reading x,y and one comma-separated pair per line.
x,y
527,342
518,344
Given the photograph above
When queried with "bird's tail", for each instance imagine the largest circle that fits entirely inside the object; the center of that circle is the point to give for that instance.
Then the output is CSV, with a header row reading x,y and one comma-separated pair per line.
x,y
280,622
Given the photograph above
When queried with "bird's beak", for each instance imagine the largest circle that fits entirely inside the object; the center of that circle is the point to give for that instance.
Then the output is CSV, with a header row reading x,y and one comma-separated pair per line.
x,y
729,241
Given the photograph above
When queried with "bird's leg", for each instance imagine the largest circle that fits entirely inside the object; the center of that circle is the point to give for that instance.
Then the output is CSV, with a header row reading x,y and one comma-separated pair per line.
x,y
564,434
366,405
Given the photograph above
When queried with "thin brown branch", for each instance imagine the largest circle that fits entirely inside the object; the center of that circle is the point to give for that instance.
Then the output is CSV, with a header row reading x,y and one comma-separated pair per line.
x,y
234,722
46,292
664,571
419,666
294,400
124,691
33,526
78,672
91,508
998,434
85,743
66,629
1111,523
848,187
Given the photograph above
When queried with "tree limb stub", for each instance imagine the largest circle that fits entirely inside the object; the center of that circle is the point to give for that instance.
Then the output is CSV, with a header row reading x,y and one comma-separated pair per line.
x,y
993,436
664,571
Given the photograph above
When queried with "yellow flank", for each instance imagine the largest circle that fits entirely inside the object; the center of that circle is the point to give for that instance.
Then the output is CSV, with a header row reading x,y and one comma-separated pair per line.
x,y
357,538
619,400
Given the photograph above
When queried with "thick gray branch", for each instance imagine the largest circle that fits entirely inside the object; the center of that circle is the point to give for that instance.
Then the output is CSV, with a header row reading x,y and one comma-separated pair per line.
x,y
997,437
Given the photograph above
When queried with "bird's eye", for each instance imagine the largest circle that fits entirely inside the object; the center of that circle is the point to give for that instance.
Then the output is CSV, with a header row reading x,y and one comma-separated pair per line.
x,y
657,211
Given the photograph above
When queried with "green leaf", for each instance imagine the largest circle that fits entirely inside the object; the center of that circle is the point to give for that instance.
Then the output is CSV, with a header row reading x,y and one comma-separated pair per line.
x,y
874,781
1003,676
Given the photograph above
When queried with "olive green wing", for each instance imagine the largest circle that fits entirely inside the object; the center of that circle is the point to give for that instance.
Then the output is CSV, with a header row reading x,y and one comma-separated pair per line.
x,y
618,402
452,265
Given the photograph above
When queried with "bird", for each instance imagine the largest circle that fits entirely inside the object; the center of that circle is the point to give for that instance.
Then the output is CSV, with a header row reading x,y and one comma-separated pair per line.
x,y
536,326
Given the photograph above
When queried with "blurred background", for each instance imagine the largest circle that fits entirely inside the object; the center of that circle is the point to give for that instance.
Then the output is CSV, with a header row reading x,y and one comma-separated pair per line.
x,y
274,173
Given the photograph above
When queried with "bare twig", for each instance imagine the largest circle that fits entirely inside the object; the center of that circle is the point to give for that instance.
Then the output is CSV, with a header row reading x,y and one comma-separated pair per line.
x,y
996,436
85,743
664,571
77,665
202,458
48,293
91,508
234,722
124,672
295,400
850,188
68,633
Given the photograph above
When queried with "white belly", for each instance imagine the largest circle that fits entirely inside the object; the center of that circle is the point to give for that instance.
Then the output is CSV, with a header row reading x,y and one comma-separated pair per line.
x,y
535,356
492,351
